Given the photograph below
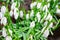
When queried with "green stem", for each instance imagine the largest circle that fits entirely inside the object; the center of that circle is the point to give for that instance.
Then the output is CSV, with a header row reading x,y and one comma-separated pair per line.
x,y
56,27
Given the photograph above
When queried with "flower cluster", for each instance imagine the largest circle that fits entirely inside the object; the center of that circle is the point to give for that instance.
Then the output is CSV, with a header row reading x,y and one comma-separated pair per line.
x,y
36,24
2,17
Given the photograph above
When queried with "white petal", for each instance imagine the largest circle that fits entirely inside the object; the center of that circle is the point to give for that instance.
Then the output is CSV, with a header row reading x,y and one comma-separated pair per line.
x,y
46,33
48,5
12,1
4,21
45,23
49,17
3,9
58,12
4,34
15,15
27,16
45,8
21,14
38,5
45,15
13,6
33,4
38,16
11,13
10,31
8,38
32,24
51,25
57,6
1,15
32,13
48,0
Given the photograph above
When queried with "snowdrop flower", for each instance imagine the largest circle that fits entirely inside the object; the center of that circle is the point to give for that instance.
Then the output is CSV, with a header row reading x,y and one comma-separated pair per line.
x,y
38,5
45,15
58,12
31,36
51,25
10,31
32,24
11,13
21,14
13,6
48,0
38,16
1,15
48,5
4,34
3,9
4,21
33,4
45,8
46,33
45,23
27,16
15,14
12,1
8,38
32,13
57,6
49,17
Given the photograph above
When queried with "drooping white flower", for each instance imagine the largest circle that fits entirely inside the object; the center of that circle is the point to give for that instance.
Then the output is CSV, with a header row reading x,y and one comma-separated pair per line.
x,y
45,15
27,16
1,15
48,5
58,12
57,6
10,31
15,13
4,34
51,25
4,21
32,24
12,1
45,8
38,5
3,9
32,13
21,14
11,13
31,36
38,16
46,33
45,23
33,4
48,0
49,17
13,5
8,38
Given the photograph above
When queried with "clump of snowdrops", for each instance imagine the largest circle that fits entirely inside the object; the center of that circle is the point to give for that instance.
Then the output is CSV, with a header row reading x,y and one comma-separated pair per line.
x,y
36,24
